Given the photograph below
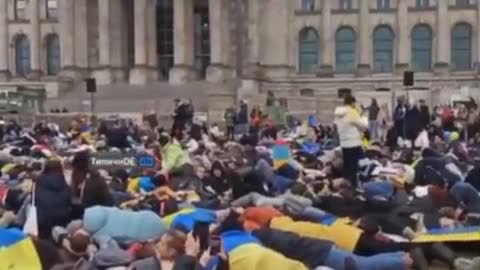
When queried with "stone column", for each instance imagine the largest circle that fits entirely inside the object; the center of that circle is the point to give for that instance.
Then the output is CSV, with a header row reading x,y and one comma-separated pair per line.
x,y
35,40
104,72
403,41
477,61
274,38
249,81
328,43
4,57
442,38
183,39
365,41
83,36
138,75
151,27
66,10
219,41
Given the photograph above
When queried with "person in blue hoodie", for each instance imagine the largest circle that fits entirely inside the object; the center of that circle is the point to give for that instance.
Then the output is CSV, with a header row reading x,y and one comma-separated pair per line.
x,y
123,226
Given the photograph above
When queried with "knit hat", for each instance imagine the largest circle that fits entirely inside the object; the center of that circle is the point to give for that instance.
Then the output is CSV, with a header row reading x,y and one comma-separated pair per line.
x,y
258,217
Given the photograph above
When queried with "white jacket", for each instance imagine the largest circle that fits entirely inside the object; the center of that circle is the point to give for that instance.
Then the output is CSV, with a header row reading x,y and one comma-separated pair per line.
x,y
350,125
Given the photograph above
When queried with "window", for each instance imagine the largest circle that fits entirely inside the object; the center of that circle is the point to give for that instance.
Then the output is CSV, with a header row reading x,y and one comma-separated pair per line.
x,y
307,93
383,49
22,55
53,54
52,9
308,50
308,5
345,50
421,48
422,3
383,4
165,46
461,40
462,3
345,4
201,37
20,9
344,92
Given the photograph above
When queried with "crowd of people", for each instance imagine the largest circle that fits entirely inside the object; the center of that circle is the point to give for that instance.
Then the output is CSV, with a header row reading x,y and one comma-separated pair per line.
x,y
343,196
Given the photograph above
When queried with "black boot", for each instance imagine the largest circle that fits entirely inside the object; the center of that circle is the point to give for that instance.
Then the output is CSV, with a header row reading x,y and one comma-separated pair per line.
x,y
419,260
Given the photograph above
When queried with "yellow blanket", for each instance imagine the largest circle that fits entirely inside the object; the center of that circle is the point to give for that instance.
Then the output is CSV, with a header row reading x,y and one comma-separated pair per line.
x,y
256,257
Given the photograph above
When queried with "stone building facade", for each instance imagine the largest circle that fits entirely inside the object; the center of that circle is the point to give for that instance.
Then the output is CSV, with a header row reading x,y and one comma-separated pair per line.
x,y
295,48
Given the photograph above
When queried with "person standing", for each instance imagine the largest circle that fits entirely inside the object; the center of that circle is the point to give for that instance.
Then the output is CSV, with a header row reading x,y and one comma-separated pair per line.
x,y
230,120
399,118
473,121
424,115
412,121
351,125
242,118
373,112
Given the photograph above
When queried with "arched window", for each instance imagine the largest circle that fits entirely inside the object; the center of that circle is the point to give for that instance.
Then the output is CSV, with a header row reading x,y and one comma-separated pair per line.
x,y
345,50
53,54
22,55
421,48
383,49
201,26
308,50
461,46
308,5
165,46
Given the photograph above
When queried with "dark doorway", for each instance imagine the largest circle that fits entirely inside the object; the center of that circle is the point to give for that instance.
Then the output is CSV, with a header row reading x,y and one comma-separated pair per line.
x,y
201,37
165,48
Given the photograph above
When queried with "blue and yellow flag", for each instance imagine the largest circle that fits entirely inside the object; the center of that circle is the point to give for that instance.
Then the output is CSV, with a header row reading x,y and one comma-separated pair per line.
x,y
465,234
17,251
281,154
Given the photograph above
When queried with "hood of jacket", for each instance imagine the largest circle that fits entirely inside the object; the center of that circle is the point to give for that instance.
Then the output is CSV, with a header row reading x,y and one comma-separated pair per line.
x,y
95,218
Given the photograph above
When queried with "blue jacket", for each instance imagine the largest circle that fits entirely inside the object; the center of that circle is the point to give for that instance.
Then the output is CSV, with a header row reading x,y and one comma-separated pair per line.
x,y
123,226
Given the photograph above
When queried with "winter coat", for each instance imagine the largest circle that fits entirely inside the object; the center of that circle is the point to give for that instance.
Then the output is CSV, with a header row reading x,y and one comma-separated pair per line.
x,y
123,226
350,125
173,157
312,252
230,117
243,114
53,201
412,122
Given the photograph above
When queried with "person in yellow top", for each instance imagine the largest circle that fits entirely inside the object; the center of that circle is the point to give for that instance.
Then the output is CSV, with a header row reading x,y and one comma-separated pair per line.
x,y
174,158
351,125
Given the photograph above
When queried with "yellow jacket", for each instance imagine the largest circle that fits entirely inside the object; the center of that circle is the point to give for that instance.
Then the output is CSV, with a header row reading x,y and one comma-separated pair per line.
x,y
257,257
344,236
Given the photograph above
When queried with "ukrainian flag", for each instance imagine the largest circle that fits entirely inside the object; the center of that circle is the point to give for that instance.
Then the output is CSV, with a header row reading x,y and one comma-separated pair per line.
x,y
17,251
281,154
